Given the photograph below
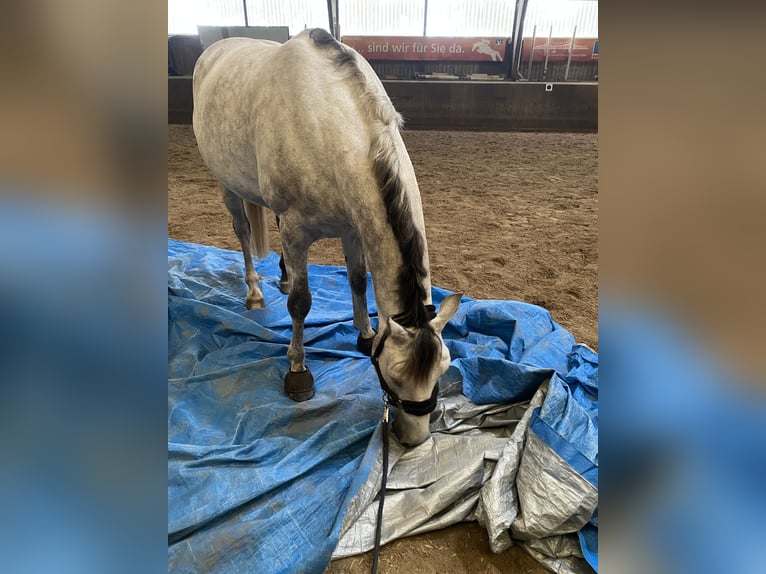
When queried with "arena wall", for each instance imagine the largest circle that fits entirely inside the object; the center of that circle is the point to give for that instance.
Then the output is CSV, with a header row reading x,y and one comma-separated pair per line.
x,y
464,105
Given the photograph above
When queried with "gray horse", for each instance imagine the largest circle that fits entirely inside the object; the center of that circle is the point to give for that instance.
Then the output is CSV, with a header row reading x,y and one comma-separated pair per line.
x,y
306,130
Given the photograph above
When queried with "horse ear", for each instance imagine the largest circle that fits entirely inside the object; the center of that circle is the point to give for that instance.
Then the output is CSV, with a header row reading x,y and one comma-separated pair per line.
x,y
446,310
397,332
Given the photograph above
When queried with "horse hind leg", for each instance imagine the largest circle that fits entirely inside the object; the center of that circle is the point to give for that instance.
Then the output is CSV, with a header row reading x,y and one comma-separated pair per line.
x,y
241,225
299,383
356,266
284,283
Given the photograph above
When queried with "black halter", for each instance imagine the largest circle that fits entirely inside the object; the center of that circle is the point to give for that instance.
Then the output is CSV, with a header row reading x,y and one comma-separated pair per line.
x,y
416,408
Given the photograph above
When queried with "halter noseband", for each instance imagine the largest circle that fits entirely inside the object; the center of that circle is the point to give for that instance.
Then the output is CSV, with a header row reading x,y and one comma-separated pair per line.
x,y
415,408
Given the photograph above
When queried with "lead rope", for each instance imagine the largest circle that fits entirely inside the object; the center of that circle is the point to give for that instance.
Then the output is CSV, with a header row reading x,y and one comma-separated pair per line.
x,y
379,522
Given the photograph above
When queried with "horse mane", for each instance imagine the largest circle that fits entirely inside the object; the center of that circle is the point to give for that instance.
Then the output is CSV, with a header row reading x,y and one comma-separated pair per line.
x,y
385,164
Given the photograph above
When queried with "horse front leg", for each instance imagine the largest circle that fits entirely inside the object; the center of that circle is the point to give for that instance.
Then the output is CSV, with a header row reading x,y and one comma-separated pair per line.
x,y
356,267
299,383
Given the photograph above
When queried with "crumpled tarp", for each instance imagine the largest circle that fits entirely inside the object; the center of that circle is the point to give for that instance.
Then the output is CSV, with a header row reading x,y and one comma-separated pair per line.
x,y
259,483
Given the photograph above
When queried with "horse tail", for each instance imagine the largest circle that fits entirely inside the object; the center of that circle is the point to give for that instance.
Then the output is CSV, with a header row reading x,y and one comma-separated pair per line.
x,y
259,230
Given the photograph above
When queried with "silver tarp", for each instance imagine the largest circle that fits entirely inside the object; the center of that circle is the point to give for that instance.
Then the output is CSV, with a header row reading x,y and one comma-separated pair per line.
x,y
482,463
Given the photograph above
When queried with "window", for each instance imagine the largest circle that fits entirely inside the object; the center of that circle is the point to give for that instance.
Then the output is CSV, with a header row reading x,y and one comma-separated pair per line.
x,y
381,17
185,15
478,18
563,16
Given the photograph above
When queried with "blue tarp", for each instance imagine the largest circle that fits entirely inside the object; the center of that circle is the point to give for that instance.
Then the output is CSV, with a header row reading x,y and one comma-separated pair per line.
x,y
259,483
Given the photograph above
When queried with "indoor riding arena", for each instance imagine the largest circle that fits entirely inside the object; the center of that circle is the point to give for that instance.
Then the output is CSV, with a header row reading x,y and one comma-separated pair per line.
x,y
499,101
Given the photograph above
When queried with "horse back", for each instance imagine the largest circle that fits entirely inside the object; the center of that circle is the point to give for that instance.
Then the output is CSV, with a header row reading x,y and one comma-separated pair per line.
x,y
286,120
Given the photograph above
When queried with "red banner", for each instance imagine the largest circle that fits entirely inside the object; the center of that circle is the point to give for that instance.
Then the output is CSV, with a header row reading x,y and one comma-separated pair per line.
x,y
419,48
584,50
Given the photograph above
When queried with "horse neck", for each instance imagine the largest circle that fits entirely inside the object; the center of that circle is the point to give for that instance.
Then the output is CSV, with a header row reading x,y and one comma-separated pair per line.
x,y
385,261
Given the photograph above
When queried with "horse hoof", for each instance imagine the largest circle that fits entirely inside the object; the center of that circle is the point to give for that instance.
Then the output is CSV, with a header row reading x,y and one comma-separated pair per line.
x,y
284,287
255,304
299,386
364,345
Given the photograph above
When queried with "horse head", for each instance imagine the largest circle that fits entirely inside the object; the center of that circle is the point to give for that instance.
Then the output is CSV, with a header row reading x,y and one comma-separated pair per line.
x,y
409,362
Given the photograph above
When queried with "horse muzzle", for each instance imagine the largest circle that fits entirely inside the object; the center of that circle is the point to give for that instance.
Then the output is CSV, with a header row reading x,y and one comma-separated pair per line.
x,y
410,430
